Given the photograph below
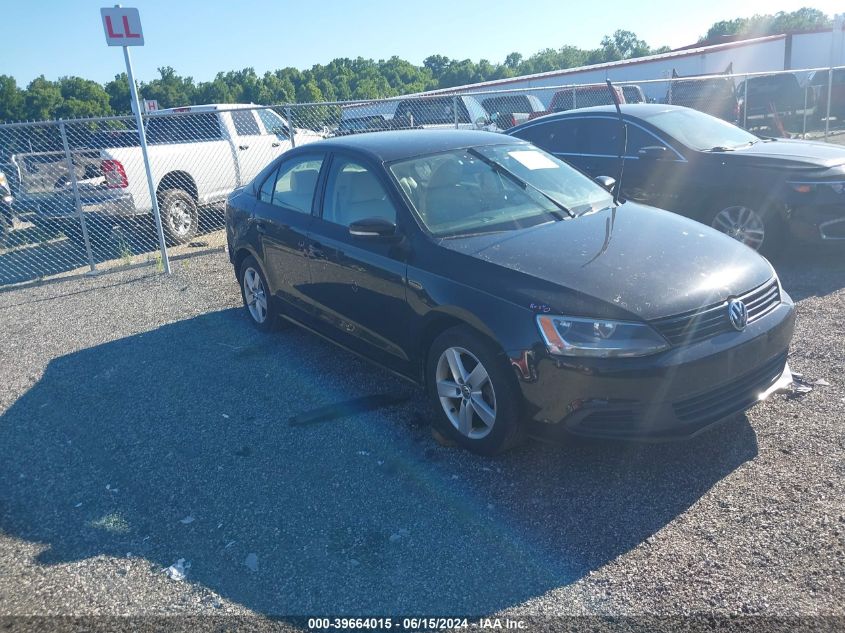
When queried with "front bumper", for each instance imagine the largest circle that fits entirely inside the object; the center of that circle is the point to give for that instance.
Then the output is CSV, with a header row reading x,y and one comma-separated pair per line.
x,y
818,223
675,394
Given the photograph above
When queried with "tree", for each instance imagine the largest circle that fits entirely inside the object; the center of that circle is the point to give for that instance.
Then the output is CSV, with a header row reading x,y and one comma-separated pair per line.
x,y
437,64
43,99
623,45
513,60
82,98
11,99
119,97
170,90
769,24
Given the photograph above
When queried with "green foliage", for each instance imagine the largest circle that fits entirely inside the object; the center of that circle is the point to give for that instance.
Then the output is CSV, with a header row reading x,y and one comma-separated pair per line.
x,y
769,24
11,99
344,79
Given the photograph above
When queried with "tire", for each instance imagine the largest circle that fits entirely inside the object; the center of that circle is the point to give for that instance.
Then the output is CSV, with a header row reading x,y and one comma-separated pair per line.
x,y
262,314
478,398
179,215
761,229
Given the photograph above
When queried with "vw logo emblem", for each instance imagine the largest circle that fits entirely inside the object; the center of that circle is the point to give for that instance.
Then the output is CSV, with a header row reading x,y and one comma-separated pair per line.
x,y
738,314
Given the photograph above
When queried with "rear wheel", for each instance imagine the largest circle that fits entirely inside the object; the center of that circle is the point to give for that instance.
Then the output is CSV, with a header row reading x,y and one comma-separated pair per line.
x,y
179,215
256,296
474,394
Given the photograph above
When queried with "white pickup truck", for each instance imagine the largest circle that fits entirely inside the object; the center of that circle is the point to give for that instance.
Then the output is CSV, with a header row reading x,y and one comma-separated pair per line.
x,y
198,155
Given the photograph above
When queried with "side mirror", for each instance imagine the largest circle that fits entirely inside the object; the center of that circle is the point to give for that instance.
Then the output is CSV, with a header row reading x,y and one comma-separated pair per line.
x,y
372,228
655,152
606,181
481,121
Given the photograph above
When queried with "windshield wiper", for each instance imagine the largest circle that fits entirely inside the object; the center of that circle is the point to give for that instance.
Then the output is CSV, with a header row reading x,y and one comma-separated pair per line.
x,y
522,183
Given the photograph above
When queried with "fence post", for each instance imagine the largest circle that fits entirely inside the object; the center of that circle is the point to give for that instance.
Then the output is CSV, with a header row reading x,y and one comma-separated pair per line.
x,y
455,109
77,202
142,138
745,103
291,129
804,126
574,99
829,90
671,84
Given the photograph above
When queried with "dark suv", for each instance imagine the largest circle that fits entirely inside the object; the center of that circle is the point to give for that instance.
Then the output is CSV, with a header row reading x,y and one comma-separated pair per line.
x,y
767,95
711,94
819,84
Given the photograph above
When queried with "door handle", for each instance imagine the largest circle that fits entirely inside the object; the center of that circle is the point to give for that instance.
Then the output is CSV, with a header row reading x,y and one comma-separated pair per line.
x,y
276,144
259,226
243,146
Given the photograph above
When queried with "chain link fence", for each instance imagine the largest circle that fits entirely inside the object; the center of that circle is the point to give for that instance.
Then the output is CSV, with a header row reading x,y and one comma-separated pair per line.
x,y
82,202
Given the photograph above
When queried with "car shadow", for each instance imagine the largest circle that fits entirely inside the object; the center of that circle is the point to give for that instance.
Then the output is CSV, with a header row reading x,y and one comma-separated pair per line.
x,y
811,272
187,442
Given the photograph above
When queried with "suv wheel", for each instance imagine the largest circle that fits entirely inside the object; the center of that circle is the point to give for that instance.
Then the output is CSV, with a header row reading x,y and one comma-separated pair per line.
x,y
473,391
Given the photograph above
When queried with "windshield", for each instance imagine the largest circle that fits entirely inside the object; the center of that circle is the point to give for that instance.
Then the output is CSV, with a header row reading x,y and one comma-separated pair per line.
x,y
494,188
700,131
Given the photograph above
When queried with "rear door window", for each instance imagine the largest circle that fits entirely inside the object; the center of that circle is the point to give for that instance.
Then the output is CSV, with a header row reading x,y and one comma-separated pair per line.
x,y
296,183
245,123
183,128
553,136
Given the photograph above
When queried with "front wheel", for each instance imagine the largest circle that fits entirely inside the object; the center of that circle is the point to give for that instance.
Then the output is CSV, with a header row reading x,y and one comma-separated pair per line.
x,y
473,392
759,229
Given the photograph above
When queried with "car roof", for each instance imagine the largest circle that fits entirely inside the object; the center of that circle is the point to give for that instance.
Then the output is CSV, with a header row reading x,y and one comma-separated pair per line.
x,y
398,144
642,110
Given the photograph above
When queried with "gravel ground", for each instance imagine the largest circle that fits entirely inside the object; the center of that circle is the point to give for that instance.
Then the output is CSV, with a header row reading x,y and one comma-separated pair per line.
x,y
143,422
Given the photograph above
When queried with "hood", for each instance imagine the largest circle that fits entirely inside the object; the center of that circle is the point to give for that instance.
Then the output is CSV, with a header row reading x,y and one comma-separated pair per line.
x,y
641,260
799,153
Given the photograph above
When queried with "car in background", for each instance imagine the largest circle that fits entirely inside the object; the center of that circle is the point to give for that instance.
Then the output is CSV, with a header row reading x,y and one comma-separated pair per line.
x,y
440,112
508,110
760,191
368,123
713,94
584,97
767,96
633,94
818,83
488,271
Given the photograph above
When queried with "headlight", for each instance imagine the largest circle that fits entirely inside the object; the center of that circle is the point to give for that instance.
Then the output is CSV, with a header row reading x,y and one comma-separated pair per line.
x,y
598,338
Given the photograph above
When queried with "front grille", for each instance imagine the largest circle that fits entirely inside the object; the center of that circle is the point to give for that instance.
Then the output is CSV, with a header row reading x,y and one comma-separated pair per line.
x,y
610,419
697,325
732,398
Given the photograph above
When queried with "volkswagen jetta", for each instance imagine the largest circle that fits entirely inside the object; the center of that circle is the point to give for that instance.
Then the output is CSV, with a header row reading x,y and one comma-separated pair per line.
x,y
510,285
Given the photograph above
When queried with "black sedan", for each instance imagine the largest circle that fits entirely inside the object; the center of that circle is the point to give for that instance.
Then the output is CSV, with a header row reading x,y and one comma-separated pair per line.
x,y
510,285
758,190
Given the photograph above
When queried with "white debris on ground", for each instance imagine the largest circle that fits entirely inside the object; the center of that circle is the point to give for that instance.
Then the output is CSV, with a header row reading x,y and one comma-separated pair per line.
x,y
179,570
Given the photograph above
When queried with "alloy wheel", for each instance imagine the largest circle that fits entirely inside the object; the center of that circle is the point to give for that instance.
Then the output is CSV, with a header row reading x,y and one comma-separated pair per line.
x,y
254,295
466,393
743,224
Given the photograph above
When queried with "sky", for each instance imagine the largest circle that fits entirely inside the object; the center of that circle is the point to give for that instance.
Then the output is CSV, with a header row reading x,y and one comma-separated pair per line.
x,y
199,38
